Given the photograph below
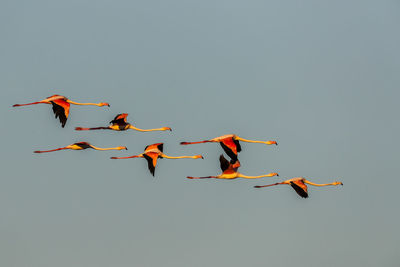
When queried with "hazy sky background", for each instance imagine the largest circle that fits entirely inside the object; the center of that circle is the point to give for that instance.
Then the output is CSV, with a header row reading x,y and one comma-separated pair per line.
x,y
320,77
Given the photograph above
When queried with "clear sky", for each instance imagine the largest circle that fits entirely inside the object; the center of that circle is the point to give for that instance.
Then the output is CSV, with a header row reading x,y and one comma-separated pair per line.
x,y
320,77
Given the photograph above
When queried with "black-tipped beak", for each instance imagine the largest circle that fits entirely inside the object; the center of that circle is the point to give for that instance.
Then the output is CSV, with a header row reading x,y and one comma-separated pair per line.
x,y
276,143
108,105
277,174
126,148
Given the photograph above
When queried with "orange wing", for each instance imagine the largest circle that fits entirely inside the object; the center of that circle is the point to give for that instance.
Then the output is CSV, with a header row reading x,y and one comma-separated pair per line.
x,y
231,147
61,110
300,187
151,158
158,146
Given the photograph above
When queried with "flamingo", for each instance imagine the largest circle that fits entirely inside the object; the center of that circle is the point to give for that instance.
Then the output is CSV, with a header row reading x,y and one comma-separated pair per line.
x,y
81,146
61,106
152,153
230,144
229,171
119,124
299,185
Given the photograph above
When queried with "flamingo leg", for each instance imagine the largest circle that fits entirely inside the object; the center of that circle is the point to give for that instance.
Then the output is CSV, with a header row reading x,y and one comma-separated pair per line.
x,y
260,186
199,142
130,157
34,103
45,151
205,177
87,129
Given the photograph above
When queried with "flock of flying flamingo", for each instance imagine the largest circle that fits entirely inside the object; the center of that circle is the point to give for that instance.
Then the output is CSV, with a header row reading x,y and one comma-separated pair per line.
x,y
229,143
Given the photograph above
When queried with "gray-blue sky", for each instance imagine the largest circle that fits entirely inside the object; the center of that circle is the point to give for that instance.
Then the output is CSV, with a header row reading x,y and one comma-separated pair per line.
x,y
320,77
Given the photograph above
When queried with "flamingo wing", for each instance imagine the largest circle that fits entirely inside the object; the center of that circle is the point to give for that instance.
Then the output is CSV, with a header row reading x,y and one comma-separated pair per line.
x,y
151,158
120,119
83,145
230,147
159,146
61,110
224,163
300,188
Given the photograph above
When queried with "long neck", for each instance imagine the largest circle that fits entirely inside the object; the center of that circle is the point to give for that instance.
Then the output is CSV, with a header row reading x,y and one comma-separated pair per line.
x,y
181,157
34,103
314,184
135,156
109,148
45,151
146,130
251,141
255,177
84,104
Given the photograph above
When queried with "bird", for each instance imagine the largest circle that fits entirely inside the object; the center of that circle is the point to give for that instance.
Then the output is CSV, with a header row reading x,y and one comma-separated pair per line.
x,y
230,144
229,171
152,153
119,124
299,185
81,146
61,106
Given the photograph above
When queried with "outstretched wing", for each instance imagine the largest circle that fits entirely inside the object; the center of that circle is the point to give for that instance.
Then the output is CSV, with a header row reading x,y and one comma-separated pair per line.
x,y
83,145
230,147
159,146
120,119
224,163
61,110
300,188
151,161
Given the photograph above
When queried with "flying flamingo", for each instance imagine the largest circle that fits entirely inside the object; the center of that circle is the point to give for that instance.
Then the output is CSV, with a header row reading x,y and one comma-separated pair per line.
x,y
81,146
230,144
152,153
61,106
299,185
119,124
229,171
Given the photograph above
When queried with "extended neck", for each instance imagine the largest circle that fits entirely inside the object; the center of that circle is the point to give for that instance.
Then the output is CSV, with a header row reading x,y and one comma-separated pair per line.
x,y
85,104
109,148
182,157
253,141
149,130
314,184
255,177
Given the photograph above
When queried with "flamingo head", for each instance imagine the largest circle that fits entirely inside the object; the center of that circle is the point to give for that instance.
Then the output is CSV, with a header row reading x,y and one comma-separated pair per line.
x,y
166,129
122,147
104,104
272,143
